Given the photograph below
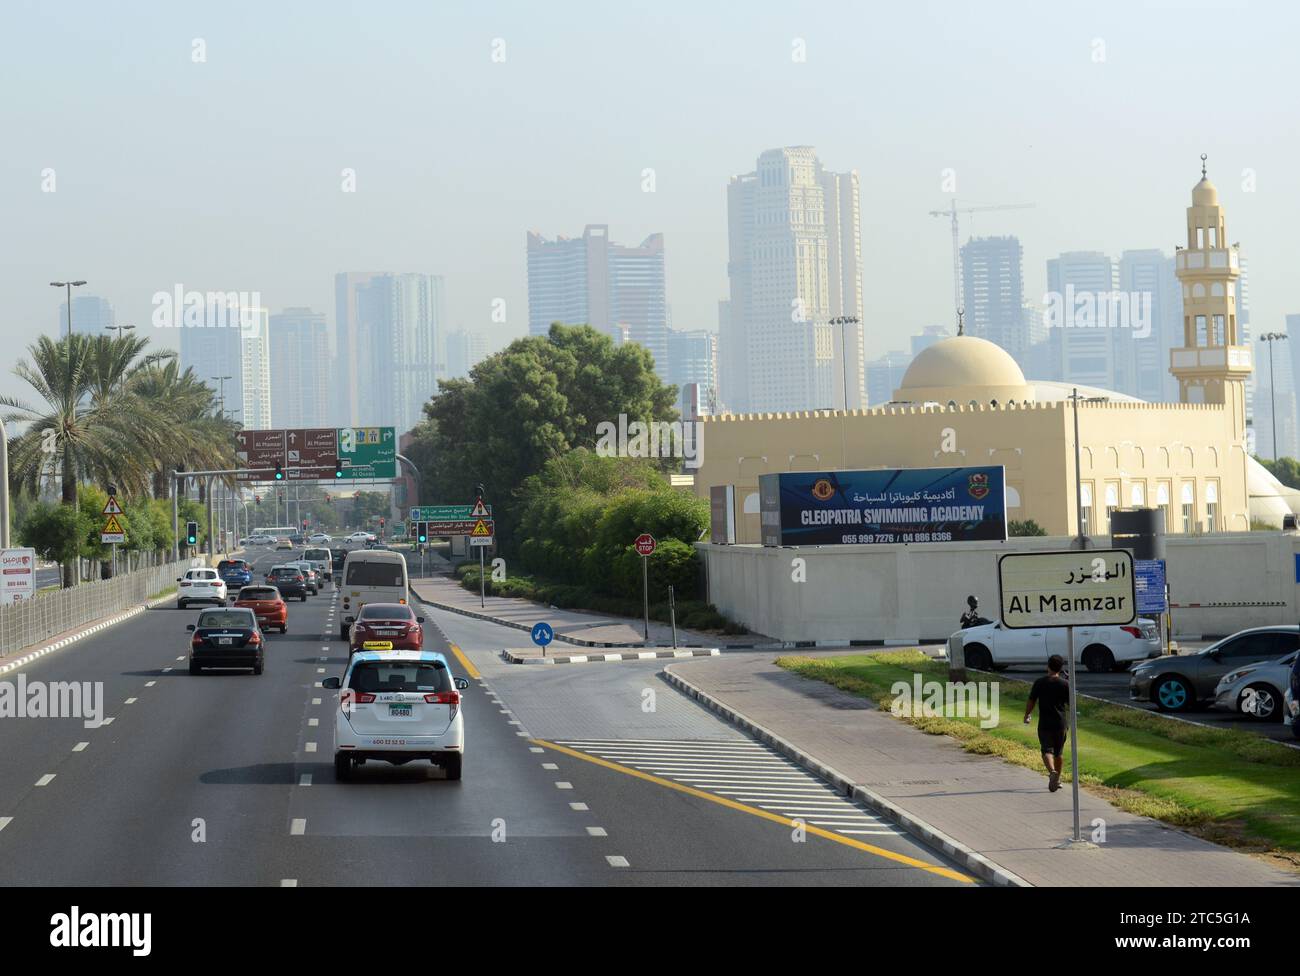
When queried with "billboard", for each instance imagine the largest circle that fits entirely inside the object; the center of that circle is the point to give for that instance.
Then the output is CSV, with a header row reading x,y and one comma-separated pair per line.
x,y
17,575
892,505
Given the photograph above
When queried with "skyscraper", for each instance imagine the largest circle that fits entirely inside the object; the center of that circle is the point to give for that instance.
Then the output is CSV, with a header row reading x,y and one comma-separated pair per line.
x,y
794,264
91,315
590,280
233,342
993,293
255,368
300,365
386,350
465,350
1142,361
1079,284
693,359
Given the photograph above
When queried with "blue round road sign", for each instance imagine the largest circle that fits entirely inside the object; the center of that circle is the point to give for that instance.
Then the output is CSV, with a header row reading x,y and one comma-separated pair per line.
x,y
543,634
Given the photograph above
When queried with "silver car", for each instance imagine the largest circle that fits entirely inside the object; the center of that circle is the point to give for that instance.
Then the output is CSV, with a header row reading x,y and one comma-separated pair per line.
x,y
1178,684
1256,689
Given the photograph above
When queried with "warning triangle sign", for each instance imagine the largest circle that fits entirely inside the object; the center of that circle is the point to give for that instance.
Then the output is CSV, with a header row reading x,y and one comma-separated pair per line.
x,y
112,507
480,511
480,529
113,526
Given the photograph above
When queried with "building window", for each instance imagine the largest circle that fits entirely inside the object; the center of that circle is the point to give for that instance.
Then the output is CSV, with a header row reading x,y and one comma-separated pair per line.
x,y
1085,512
1112,502
1162,503
1211,506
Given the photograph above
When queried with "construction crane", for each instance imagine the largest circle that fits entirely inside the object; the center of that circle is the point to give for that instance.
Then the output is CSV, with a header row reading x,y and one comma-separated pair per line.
x,y
952,212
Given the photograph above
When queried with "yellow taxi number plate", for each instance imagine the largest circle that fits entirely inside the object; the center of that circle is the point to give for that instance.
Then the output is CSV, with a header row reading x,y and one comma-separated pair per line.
x,y
377,645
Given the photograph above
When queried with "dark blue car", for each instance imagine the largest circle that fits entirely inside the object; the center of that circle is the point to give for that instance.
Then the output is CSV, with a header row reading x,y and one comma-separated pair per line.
x,y
234,573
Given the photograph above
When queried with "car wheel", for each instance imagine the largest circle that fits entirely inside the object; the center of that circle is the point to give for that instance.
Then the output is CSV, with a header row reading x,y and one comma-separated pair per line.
x,y
195,669
1098,658
978,657
1267,706
180,604
452,765
343,631
284,629
1172,694
342,767
259,666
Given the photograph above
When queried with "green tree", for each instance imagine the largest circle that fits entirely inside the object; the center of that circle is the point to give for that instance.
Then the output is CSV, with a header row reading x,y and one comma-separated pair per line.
x,y
57,532
1025,528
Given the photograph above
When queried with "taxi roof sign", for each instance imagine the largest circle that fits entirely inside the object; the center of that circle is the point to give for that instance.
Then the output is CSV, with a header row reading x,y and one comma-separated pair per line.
x,y
1072,588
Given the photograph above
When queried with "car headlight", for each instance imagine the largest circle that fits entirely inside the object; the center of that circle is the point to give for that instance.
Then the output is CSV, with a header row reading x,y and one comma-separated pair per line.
x,y
1234,677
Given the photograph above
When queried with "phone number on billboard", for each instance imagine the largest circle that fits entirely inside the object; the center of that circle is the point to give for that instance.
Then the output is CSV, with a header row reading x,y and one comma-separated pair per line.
x,y
849,540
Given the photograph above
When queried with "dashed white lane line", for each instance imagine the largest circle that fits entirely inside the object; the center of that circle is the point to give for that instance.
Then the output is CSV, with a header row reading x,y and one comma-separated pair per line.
x,y
580,807
523,735
315,701
304,779
561,785
549,766
5,822
597,832
181,658
108,721
313,722
298,827
150,684
288,882
311,747
616,860
130,701
165,670
536,749
515,721
45,780
80,746
320,670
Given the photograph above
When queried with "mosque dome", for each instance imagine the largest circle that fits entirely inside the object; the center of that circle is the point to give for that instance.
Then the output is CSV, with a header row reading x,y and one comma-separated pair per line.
x,y
962,369
1204,194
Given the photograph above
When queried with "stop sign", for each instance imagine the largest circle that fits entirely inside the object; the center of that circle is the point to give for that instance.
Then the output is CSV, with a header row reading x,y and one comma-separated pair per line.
x,y
645,544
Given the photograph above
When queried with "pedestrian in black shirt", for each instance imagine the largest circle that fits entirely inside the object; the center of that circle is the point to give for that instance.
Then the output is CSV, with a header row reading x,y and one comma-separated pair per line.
x,y
1052,691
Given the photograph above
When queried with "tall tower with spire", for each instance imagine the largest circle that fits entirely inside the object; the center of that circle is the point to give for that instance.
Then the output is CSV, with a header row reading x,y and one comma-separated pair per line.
x,y
1212,365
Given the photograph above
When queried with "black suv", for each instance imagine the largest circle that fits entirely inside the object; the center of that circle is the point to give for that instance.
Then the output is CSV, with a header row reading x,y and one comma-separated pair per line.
x,y
290,581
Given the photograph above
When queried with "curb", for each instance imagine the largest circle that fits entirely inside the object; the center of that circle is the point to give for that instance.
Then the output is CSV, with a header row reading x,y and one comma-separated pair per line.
x,y
976,863
514,658
78,635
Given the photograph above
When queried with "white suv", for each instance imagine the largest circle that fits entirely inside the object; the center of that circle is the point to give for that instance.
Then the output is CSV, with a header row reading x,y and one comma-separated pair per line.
x,y
200,586
1107,648
396,706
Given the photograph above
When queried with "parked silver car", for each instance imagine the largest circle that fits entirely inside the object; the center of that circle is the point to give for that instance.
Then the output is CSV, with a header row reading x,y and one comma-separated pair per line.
x,y
1179,684
1256,689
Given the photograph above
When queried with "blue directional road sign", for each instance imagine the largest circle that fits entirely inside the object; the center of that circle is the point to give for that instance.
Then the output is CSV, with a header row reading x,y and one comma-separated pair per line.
x,y
543,634
1149,583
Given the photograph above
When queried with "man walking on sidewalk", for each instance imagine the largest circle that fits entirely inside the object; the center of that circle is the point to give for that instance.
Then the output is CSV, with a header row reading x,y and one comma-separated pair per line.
x,y
1052,691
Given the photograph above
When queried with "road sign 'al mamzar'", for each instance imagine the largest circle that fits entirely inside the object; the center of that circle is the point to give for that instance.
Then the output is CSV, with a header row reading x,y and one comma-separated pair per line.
x,y
1074,588
827,508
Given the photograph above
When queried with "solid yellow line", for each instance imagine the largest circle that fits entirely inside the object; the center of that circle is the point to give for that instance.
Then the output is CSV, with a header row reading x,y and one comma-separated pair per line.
x,y
465,662
754,811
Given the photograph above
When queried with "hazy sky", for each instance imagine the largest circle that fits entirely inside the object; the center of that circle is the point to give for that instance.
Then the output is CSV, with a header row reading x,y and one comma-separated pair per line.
x,y
226,174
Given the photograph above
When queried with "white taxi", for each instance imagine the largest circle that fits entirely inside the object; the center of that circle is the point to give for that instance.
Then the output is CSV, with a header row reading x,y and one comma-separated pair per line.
x,y
395,707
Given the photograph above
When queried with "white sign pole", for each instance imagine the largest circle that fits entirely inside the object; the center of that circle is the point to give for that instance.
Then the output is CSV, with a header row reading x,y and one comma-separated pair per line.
x,y
1074,734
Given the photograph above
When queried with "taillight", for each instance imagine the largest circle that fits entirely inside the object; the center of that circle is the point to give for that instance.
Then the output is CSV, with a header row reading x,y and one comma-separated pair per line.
x,y
443,698
185,583
363,698
1132,631
255,639
196,641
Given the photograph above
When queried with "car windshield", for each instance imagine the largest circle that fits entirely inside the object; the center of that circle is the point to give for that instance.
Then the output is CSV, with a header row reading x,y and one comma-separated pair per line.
x,y
376,573
285,573
226,618
317,554
425,676
258,593
385,611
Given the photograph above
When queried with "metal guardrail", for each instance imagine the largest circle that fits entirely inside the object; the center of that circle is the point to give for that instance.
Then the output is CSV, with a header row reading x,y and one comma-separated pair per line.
x,y
43,617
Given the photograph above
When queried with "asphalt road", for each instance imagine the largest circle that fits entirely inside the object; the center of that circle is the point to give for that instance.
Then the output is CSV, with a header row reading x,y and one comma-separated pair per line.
x,y
574,775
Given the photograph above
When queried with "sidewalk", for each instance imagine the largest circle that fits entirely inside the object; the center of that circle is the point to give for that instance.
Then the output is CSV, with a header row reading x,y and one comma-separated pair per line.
x,y
996,811
571,626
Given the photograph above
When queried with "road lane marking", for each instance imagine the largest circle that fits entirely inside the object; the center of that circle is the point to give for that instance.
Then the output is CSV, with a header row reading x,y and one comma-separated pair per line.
x,y
560,785
45,780
150,684
80,746
107,721
288,882
5,822
616,860
313,722
315,701
578,806
597,832
181,658
465,662
298,827
129,701
762,814
320,670
165,670
536,749
304,779
311,747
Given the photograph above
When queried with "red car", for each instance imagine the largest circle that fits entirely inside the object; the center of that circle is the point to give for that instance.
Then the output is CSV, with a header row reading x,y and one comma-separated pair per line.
x,y
386,627
267,605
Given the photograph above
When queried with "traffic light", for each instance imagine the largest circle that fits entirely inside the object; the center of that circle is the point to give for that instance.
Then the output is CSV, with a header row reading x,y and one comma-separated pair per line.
x,y
381,521
304,523
328,500
422,532
258,499
191,533
338,472
279,471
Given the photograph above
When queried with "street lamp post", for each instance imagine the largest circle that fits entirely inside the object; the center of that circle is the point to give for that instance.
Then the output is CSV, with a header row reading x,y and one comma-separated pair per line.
x,y
844,321
1270,338
70,578
119,329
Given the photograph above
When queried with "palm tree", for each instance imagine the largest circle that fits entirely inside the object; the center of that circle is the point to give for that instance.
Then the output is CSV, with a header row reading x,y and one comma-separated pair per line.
x,y
88,425
196,437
